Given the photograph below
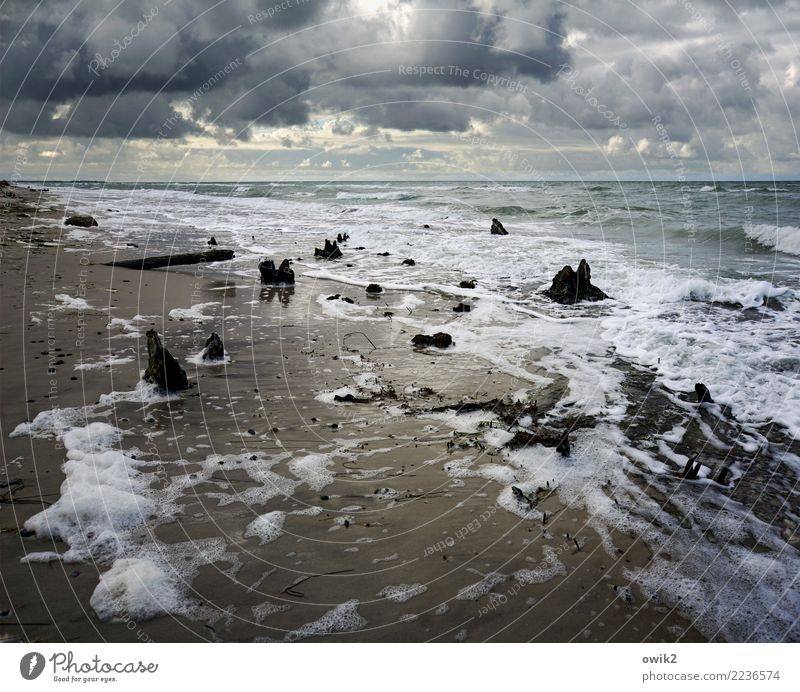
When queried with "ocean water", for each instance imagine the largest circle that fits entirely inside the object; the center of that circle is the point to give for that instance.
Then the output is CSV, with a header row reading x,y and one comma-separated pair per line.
x,y
704,287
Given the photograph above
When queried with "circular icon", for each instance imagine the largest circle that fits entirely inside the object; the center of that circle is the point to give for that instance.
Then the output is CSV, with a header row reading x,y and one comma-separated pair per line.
x,y
31,665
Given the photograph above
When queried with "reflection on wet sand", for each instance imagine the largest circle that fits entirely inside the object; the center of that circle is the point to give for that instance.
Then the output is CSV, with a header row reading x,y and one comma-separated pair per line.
x,y
283,293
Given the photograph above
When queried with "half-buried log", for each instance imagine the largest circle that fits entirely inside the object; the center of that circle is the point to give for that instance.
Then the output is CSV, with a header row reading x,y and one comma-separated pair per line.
x,y
174,260
162,368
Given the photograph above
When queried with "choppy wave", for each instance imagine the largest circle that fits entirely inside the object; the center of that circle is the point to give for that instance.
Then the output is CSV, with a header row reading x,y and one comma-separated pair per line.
x,y
510,210
368,195
781,238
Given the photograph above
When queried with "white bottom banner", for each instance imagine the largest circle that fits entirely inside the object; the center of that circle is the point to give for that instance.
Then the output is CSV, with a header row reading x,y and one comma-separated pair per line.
x,y
389,667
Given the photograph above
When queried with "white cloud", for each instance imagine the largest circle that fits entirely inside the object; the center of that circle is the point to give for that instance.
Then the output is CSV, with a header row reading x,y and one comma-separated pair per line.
x,y
617,144
574,39
792,75
415,155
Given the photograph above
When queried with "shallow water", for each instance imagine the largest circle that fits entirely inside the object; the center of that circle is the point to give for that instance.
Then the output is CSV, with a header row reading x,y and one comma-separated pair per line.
x,y
689,266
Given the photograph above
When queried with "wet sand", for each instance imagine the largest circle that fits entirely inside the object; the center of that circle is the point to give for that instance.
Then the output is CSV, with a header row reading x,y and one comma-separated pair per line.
x,y
389,512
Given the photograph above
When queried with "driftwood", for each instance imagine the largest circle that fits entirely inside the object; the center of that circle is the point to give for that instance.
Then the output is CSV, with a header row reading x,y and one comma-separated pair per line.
x,y
173,260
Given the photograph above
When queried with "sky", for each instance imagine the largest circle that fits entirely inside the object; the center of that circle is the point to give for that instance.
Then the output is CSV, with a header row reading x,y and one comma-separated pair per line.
x,y
201,90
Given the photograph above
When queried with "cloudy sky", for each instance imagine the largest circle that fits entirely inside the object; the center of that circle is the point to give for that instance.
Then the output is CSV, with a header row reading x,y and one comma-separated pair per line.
x,y
396,89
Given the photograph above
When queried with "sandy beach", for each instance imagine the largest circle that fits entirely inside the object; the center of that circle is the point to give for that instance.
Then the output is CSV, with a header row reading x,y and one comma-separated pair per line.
x,y
274,512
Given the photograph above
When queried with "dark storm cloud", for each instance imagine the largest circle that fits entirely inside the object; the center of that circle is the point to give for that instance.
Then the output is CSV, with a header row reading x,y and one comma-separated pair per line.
x,y
718,76
89,68
106,67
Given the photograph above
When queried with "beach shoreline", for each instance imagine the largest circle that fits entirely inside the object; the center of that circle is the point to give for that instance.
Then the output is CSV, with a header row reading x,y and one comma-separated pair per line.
x,y
273,510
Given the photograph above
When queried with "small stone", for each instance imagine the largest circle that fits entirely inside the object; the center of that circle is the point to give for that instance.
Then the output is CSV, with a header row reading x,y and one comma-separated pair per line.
x,y
83,220
439,340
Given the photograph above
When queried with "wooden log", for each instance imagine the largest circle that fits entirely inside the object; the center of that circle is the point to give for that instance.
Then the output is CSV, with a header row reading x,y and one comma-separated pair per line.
x,y
173,260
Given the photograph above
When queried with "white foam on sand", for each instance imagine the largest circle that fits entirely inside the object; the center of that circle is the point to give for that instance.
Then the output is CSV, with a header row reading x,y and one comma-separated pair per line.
x,y
195,312
313,470
71,303
52,423
402,592
137,587
267,527
197,359
263,610
143,392
129,328
103,498
81,235
482,587
343,618
366,385
155,581
469,422
341,309
712,574
258,467
106,513
108,362
549,568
